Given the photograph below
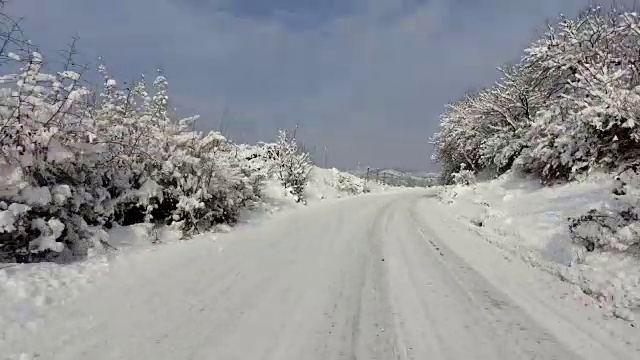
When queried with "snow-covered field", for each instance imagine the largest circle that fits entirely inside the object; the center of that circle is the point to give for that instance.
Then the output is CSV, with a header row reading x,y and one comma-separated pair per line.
x,y
529,221
29,291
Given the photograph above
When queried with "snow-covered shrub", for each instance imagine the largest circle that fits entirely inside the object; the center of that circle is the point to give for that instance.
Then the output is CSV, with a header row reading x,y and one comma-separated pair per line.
x,y
350,184
207,183
46,126
464,176
177,175
292,165
616,225
72,166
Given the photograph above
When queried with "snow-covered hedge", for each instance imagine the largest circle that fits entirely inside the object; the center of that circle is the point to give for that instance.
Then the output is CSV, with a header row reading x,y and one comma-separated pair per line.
x,y
569,106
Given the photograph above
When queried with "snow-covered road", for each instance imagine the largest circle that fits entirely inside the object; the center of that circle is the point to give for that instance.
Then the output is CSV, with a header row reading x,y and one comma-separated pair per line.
x,y
374,277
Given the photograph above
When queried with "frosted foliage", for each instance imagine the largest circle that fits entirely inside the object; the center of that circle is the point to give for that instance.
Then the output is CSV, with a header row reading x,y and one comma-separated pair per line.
x,y
464,176
571,105
292,165
350,184
74,162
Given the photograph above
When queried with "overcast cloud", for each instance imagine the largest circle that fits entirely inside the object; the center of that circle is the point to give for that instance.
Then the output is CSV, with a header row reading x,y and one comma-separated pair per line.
x,y
366,78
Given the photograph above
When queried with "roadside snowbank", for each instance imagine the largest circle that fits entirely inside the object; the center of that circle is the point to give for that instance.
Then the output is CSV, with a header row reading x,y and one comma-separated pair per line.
x,y
27,291
530,221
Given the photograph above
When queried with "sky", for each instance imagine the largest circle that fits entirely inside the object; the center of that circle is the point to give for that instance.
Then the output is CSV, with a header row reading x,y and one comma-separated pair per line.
x,y
365,79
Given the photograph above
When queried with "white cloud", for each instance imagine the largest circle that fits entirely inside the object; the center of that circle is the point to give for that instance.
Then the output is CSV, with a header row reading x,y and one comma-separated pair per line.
x,y
370,85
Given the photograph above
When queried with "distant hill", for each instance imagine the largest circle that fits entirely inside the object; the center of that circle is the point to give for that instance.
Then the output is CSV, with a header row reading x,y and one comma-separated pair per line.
x,y
399,177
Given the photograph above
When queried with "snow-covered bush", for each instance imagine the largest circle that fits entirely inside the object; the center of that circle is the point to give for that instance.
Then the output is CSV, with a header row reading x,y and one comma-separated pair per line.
x,y
205,182
350,184
45,129
291,164
615,226
570,106
464,176
74,162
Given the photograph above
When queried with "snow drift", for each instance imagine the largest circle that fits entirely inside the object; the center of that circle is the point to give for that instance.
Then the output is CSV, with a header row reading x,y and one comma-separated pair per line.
x,y
533,222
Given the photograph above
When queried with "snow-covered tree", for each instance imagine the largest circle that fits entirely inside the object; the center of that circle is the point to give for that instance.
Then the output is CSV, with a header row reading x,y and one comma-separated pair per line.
x,y
570,105
292,165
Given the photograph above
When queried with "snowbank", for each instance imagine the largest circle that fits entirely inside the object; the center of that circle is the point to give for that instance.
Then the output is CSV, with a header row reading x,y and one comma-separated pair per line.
x,y
531,221
28,291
